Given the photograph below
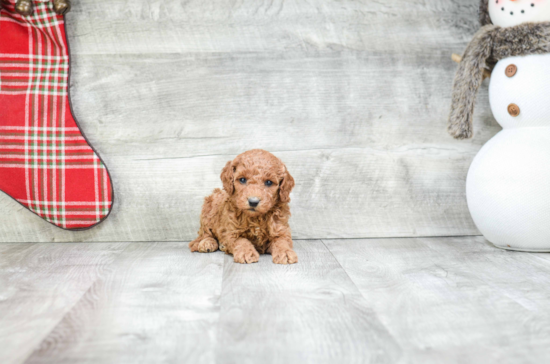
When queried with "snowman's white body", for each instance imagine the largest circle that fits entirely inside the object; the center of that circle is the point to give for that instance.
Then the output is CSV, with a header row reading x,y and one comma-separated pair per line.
x,y
508,185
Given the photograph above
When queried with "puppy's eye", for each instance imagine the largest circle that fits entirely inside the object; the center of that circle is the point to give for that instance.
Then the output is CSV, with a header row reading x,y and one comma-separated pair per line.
x,y
268,183
242,180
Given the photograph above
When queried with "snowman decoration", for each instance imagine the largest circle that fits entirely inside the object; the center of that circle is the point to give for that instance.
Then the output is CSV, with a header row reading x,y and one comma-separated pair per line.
x,y
508,184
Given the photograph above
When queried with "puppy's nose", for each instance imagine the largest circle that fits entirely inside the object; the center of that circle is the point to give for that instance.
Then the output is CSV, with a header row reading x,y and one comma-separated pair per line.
x,y
253,201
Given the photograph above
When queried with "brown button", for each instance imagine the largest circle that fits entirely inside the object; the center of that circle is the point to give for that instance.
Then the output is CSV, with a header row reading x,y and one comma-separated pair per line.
x,y
513,110
511,70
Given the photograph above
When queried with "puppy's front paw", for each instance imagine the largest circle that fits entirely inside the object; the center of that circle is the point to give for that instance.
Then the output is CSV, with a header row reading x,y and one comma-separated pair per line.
x,y
206,245
285,257
246,255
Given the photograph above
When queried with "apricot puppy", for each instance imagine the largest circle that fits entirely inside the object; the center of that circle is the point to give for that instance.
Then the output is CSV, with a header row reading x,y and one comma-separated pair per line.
x,y
250,215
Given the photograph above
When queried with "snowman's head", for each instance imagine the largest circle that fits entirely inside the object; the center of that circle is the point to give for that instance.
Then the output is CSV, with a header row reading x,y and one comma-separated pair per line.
x,y
508,13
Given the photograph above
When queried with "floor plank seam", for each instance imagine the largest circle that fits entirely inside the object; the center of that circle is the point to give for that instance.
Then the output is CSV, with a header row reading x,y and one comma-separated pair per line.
x,y
341,266
398,237
388,329
54,327
218,324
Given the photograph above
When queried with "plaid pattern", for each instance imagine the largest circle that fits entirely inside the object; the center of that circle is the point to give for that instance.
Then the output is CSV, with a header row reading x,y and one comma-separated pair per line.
x,y
45,162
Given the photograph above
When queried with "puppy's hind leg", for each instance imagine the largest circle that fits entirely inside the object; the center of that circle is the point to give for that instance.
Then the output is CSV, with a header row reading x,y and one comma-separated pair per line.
x,y
204,244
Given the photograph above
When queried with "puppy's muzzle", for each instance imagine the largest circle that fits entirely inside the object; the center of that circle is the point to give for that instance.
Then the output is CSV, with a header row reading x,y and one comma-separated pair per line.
x,y
253,201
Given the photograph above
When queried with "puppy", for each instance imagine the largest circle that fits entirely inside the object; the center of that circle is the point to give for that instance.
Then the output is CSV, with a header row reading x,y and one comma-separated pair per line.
x,y
250,215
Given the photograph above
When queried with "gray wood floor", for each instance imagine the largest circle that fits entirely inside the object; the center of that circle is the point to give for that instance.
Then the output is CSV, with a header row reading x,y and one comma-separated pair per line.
x,y
422,300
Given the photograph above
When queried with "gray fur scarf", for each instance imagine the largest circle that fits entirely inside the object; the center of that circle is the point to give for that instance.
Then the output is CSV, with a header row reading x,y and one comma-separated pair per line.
x,y
490,44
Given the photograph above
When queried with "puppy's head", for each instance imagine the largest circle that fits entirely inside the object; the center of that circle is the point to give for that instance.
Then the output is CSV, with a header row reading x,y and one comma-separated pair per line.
x,y
256,181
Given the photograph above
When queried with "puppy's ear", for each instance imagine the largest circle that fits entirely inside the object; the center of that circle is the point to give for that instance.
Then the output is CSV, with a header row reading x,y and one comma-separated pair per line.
x,y
227,178
287,184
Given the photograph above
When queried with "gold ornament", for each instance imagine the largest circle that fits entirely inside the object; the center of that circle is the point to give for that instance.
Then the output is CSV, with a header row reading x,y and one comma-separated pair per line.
x,y
61,7
24,7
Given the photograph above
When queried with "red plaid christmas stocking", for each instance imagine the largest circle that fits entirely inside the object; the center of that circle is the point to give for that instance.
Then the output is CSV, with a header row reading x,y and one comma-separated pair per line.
x,y
46,164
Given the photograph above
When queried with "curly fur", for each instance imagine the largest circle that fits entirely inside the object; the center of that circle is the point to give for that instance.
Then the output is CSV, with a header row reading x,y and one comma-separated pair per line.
x,y
229,223
490,45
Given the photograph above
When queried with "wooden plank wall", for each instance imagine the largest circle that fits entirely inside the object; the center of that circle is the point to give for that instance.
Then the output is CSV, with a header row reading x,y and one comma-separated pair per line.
x,y
352,94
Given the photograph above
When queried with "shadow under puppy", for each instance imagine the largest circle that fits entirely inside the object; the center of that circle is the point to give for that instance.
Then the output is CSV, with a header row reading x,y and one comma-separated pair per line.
x,y
250,215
